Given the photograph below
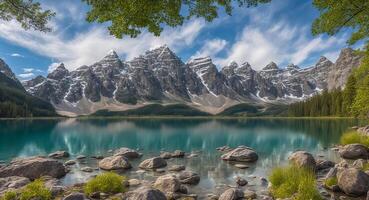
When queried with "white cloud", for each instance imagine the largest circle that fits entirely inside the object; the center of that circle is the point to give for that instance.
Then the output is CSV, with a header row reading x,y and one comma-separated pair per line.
x,y
26,75
52,67
332,55
91,45
211,48
28,70
16,55
281,43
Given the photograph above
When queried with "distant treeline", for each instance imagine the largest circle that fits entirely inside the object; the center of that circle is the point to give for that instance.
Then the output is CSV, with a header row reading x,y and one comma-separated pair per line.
x,y
353,101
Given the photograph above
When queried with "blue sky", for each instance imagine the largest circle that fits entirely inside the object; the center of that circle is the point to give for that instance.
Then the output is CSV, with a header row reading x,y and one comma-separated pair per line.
x,y
279,32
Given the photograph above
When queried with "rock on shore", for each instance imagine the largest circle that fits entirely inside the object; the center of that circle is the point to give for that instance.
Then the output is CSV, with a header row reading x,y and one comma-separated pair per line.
x,y
144,193
354,151
353,181
33,168
153,163
127,152
303,159
114,163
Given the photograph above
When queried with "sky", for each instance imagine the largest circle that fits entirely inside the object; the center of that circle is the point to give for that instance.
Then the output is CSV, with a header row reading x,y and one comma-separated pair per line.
x,y
279,31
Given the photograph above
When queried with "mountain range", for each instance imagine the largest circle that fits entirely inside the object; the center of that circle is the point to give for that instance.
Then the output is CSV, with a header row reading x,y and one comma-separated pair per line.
x,y
159,76
15,101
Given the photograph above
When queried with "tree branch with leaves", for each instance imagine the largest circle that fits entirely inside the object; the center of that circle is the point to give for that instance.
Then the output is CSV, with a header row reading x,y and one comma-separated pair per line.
x,y
28,13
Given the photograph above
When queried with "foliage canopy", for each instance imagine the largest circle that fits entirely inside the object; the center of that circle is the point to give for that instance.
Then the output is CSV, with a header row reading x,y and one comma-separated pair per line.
x,y
28,13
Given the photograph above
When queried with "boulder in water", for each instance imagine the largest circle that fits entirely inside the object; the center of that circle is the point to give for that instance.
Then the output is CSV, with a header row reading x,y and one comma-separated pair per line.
x,y
114,163
241,154
153,163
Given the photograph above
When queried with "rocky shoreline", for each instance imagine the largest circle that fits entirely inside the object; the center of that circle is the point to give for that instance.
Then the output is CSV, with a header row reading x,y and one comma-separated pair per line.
x,y
175,181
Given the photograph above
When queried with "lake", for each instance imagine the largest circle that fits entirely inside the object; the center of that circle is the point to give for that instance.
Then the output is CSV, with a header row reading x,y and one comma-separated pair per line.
x,y
273,139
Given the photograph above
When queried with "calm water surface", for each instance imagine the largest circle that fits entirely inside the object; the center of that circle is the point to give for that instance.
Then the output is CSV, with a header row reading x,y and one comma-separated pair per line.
x,y
273,139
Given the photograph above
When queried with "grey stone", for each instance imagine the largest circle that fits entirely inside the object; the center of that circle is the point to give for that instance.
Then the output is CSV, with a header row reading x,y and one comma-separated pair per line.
x,y
189,177
75,196
127,152
153,163
114,163
59,154
241,154
354,151
303,159
353,181
33,168
232,194
144,193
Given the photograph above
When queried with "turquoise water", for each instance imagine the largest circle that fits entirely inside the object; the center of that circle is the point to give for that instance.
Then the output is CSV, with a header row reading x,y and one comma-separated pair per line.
x,y
273,139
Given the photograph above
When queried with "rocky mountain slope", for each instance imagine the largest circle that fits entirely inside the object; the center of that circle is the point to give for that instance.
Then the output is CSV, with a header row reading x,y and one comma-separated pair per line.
x,y
15,101
159,76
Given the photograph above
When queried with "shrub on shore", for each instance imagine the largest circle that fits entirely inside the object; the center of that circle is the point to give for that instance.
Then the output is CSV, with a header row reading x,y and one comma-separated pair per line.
x,y
9,195
329,182
295,182
108,182
35,190
352,137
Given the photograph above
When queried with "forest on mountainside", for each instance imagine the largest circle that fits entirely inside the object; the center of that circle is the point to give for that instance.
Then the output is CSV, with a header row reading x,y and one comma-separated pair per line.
x,y
352,101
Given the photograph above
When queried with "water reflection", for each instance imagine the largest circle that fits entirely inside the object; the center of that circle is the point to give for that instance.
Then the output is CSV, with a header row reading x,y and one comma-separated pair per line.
x,y
273,139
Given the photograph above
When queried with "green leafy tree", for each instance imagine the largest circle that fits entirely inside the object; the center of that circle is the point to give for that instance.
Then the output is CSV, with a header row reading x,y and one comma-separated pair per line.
x,y
26,12
130,17
360,106
349,93
126,17
338,14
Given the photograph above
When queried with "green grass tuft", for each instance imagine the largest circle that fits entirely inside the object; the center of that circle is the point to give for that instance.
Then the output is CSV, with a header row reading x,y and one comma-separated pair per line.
x,y
365,166
330,181
292,181
35,190
107,182
9,195
354,137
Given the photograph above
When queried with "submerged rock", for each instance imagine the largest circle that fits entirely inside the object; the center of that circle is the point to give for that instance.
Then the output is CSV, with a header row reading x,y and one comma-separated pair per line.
x,y
114,163
70,162
354,151
33,168
248,194
303,159
59,154
166,155
127,152
232,194
178,154
153,163
241,154
322,164
13,182
133,182
80,157
224,148
75,196
241,181
87,169
241,166
144,193
189,177
353,181
177,168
